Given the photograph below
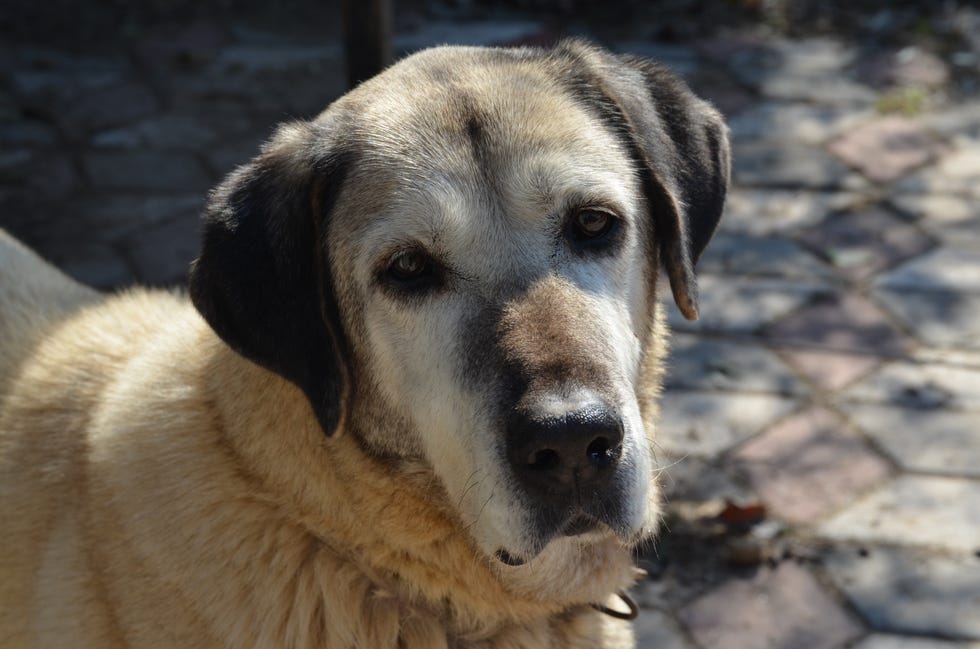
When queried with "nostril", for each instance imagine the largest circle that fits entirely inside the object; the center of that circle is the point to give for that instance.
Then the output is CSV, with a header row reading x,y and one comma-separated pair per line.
x,y
544,460
553,450
601,452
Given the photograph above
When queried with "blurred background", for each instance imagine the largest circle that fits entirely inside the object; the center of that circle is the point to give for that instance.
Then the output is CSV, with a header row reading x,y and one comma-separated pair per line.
x,y
820,442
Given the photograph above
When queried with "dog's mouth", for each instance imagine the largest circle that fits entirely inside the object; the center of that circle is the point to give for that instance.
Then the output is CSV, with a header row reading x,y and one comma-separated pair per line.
x,y
578,524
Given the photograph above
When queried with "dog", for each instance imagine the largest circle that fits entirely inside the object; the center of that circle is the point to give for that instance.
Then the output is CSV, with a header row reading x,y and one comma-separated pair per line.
x,y
411,396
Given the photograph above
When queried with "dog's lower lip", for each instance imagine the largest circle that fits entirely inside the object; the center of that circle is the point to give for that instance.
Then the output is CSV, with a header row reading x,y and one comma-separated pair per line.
x,y
580,525
509,559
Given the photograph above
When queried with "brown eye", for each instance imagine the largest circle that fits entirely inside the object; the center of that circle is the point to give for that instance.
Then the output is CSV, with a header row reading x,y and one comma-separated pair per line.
x,y
409,265
412,272
591,224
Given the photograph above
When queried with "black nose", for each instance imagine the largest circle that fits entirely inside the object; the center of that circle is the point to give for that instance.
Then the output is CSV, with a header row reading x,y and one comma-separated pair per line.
x,y
557,454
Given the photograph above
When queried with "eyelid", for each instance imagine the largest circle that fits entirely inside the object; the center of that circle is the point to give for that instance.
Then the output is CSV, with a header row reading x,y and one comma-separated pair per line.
x,y
436,281
387,258
606,207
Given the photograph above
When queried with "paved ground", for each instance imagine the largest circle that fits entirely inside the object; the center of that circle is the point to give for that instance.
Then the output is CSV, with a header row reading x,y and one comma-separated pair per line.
x,y
821,434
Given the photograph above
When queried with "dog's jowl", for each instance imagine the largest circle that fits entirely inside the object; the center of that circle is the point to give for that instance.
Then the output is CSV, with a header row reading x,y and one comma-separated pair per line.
x,y
411,397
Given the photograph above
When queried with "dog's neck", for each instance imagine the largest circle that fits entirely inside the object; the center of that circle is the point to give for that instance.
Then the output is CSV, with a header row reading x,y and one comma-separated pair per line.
x,y
389,522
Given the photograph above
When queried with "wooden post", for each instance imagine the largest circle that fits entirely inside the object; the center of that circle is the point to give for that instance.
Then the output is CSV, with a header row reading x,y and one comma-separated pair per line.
x,y
367,37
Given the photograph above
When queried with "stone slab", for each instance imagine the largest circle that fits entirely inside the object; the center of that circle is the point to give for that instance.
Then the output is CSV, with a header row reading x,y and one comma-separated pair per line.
x,y
144,170
697,479
50,79
950,385
91,263
790,165
845,322
810,465
954,357
186,45
803,122
945,269
957,173
927,511
742,304
779,608
862,243
167,132
954,220
761,256
706,424
933,441
162,255
701,364
107,108
26,133
763,212
898,591
656,629
829,371
681,60
835,90
717,85
806,69
908,66
938,318
45,174
116,215
255,58
484,32
959,122
888,641
887,148
227,155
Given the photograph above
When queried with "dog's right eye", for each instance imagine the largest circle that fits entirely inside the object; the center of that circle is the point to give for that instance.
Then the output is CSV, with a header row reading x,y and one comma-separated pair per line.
x,y
408,265
594,230
412,271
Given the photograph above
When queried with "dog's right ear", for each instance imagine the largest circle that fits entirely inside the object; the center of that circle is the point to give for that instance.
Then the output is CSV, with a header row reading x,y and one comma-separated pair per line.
x,y
262,280
678,142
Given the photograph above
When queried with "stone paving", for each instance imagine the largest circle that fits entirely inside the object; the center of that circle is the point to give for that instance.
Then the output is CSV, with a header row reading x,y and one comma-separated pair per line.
x,y
821,429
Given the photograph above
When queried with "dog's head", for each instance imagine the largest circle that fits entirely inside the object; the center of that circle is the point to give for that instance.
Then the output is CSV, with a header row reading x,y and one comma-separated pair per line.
x,y
457,263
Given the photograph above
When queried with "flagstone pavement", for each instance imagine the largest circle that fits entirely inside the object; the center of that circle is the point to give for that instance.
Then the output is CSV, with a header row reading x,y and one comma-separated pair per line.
x,y
820,440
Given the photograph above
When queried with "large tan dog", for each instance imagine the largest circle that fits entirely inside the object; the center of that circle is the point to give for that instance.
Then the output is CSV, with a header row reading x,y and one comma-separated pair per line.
x,y
414,404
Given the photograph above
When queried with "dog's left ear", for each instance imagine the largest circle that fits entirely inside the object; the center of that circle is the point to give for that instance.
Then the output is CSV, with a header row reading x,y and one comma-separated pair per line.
x,y
262,280
680,144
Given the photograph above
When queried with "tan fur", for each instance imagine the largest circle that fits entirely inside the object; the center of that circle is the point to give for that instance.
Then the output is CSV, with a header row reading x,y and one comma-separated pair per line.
x,y
550,334
145,504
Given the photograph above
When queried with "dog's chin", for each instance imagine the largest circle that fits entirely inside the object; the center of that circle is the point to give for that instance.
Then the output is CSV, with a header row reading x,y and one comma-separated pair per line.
x,y
578,568
579,529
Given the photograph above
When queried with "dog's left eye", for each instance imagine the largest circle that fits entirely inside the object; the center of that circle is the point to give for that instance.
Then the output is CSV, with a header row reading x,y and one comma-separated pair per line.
x,y
592,227
592,223
412,271
408,265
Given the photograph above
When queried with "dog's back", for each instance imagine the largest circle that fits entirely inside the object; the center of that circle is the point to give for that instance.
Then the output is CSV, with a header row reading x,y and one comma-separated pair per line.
x,y
34,297
61,345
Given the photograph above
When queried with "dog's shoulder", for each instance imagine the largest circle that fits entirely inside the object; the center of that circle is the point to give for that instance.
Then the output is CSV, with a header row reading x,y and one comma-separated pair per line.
x,y
34,295
55,331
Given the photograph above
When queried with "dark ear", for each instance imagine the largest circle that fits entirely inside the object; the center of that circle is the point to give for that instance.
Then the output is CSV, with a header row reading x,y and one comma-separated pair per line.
x,y
680,143
262,279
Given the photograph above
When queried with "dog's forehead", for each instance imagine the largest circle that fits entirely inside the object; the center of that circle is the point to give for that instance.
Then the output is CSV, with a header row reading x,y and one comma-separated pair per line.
x,y
450,108
451,131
